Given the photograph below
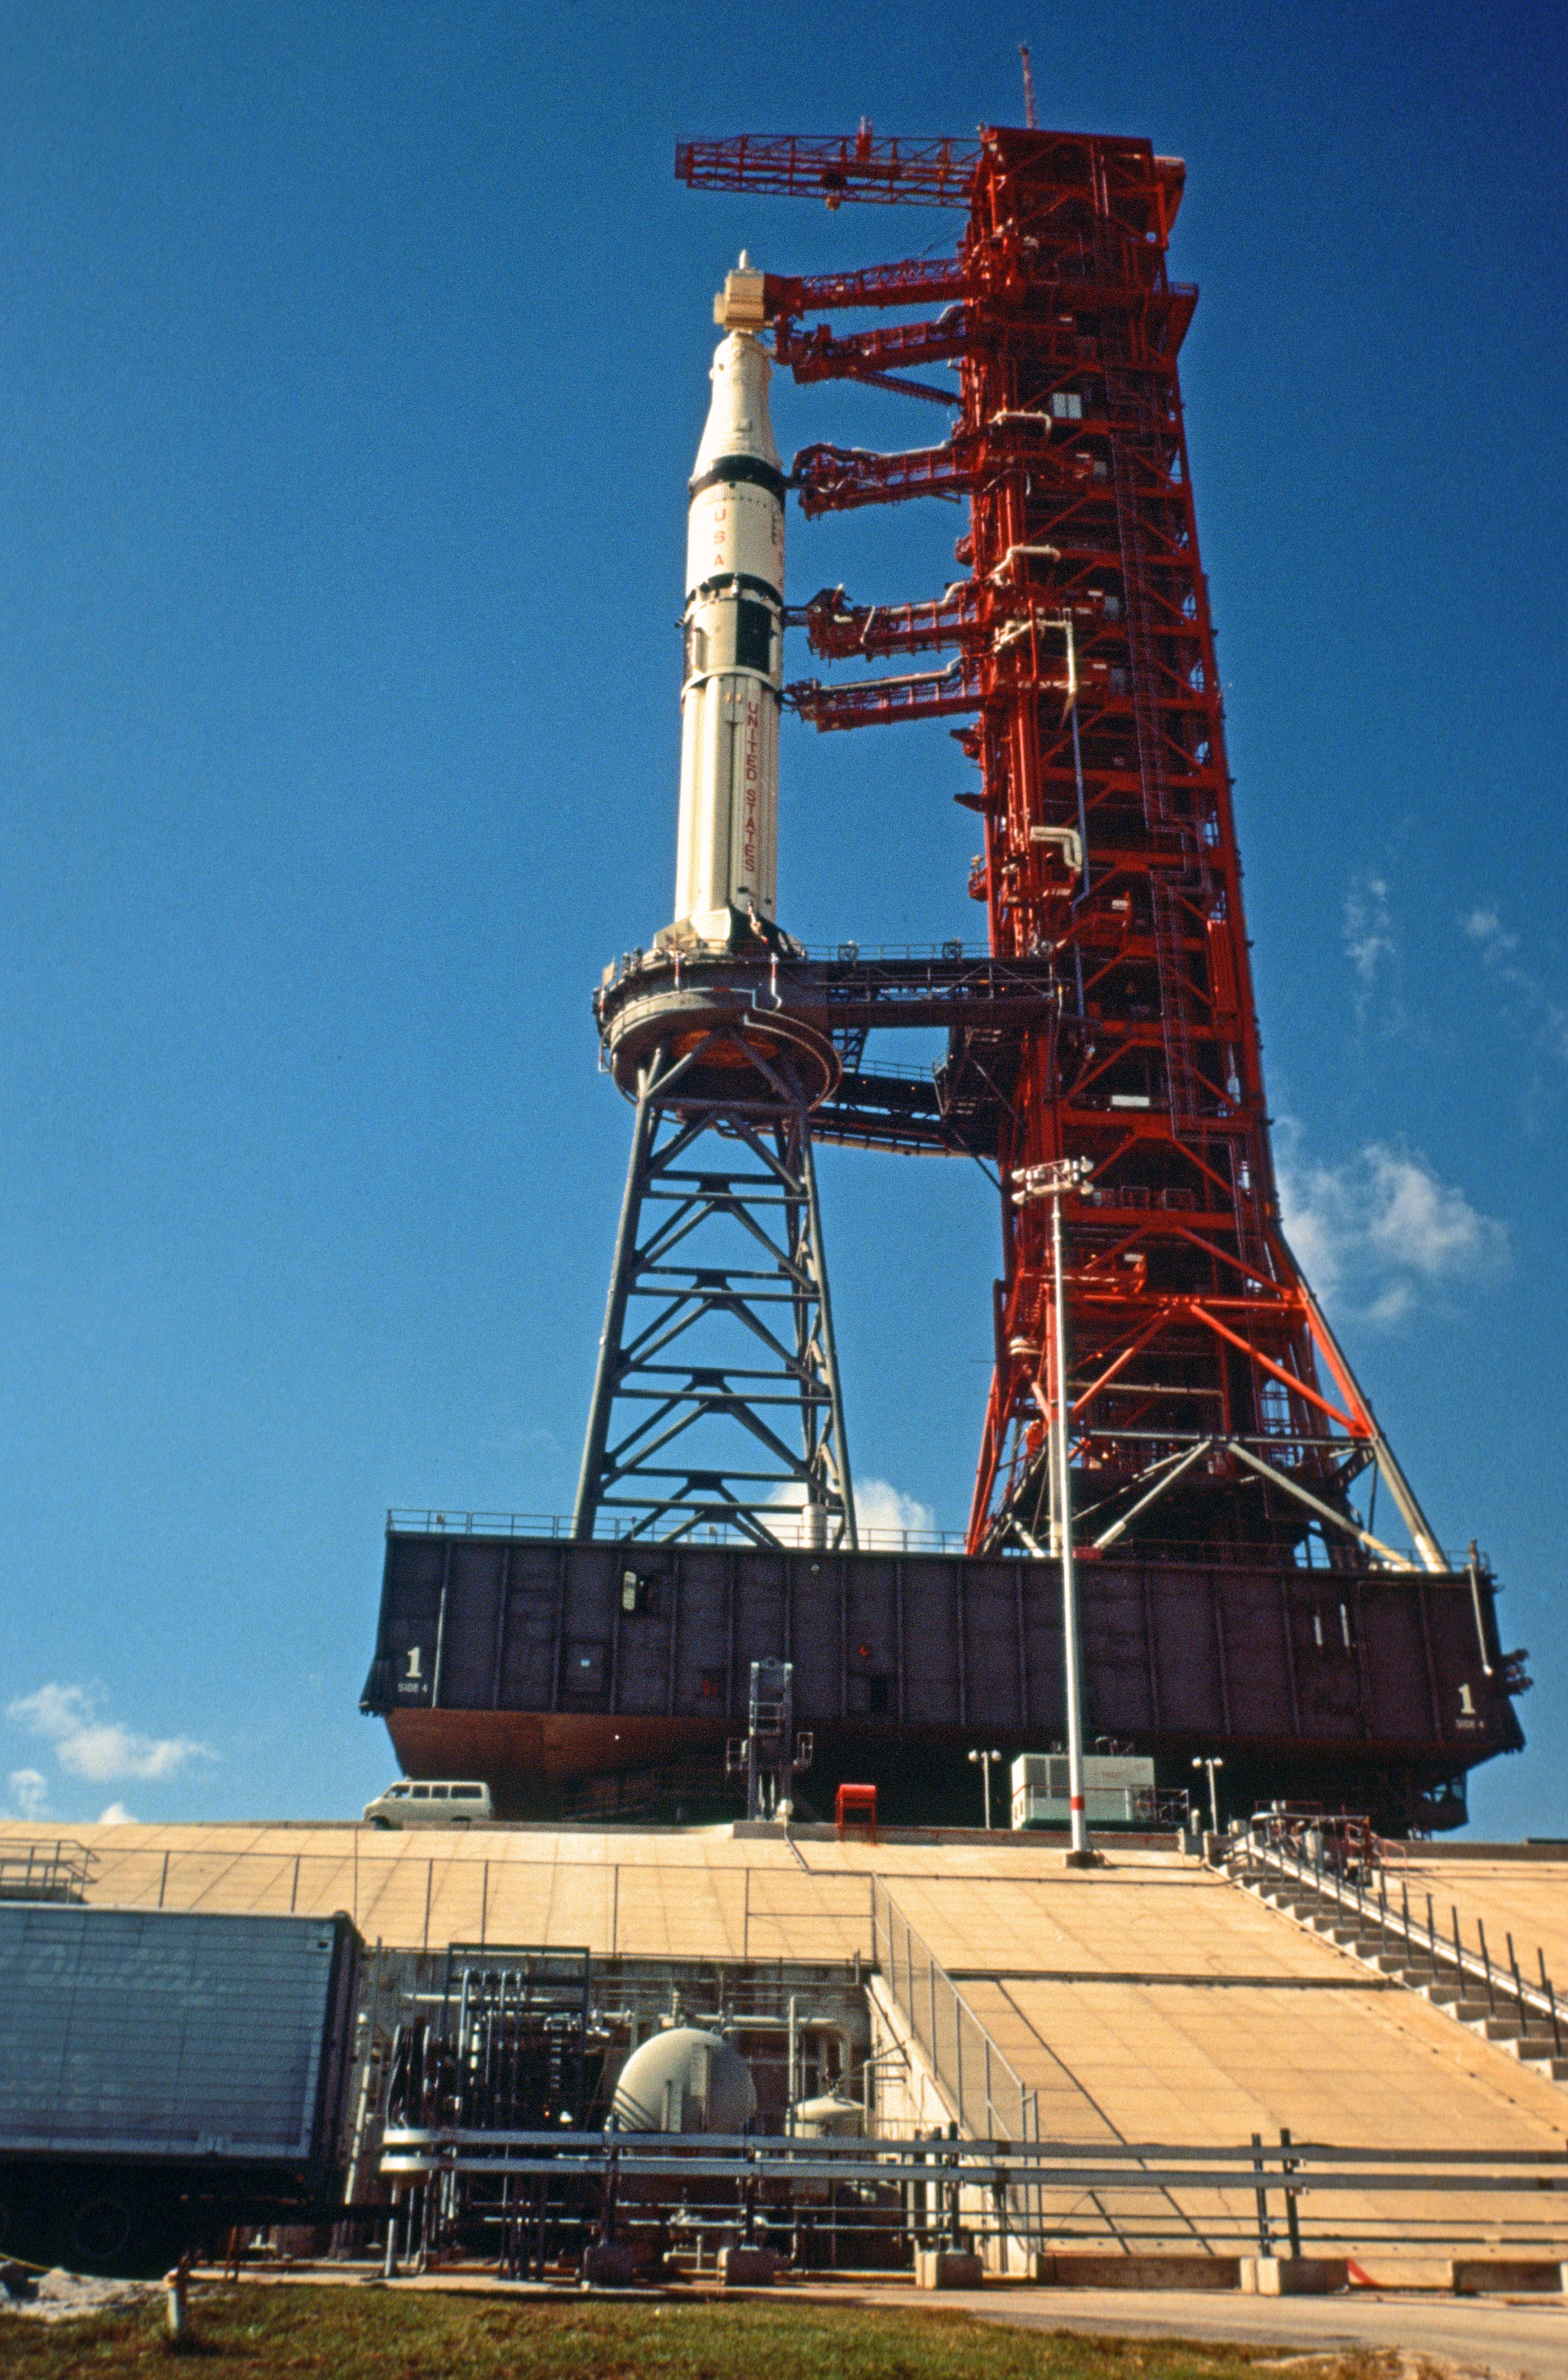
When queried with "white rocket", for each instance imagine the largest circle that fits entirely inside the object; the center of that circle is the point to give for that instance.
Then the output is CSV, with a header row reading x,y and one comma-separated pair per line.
x,y
726,866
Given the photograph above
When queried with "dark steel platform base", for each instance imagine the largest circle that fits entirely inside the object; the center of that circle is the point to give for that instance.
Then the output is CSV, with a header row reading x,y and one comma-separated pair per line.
x,y
551,1667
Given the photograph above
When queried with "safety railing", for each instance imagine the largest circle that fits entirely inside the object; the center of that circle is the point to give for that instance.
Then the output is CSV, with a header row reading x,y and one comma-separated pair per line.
x,y
61,1870
1297,2167
409,1521
416,1890
1219,2198
987,2097
951,952
850,954
893,1070
413,1521
1299,1850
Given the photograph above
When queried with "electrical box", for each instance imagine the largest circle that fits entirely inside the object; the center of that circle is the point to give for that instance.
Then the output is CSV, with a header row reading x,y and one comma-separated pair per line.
x,y
1118,1790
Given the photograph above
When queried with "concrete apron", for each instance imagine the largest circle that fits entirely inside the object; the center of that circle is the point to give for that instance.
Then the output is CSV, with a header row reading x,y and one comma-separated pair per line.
x,y
1476,2334
911,2096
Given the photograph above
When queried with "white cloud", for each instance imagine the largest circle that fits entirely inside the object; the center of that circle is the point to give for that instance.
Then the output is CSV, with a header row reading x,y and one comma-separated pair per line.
x,y
1372,947
100,1749
1499,949
880,1506
1377,1232
1484,926
30,1792
1416,1221
116,1815
102,1753
1368,927
53,1711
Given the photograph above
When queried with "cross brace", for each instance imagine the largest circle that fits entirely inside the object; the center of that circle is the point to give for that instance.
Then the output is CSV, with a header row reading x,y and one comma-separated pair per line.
x,y
716,1401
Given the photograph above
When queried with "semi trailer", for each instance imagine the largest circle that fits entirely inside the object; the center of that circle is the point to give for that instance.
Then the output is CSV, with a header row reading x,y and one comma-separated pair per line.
x,y
165,2074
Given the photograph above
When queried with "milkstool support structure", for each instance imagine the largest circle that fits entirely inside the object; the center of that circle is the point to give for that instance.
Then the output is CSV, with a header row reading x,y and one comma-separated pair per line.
x,y
716,1402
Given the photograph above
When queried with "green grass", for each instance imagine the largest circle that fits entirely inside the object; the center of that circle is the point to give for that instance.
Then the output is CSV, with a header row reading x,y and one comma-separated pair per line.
x,y
371,2334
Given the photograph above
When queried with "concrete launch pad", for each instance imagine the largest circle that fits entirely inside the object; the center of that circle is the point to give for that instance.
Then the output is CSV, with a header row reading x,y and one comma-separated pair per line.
x,y
1147,1999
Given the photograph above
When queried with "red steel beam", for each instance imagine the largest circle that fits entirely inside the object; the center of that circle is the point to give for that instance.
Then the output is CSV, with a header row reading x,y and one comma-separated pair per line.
x,y
1109,836
790,165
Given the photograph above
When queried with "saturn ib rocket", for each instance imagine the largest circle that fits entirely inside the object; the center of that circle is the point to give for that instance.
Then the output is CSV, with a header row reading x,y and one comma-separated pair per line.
x,y
726,867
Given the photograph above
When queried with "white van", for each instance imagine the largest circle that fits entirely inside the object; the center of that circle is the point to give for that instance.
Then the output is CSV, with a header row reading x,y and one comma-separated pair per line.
x,y
447,1804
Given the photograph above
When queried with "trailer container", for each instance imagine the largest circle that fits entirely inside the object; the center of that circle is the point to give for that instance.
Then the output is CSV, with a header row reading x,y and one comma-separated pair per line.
x,y
166,2073
1118,1791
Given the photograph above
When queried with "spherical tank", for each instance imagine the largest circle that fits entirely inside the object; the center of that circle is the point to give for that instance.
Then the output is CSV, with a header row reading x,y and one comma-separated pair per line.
x,y
832,2116
685,2081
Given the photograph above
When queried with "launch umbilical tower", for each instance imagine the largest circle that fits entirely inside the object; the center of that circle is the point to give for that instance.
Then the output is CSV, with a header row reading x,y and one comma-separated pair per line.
x,y
1209,1403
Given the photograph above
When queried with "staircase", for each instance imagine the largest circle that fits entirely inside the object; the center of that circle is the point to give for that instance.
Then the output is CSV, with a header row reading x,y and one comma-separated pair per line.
x,y
1524,2020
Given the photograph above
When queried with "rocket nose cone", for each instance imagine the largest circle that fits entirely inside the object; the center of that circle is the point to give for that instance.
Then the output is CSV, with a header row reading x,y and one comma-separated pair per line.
x,y
737,418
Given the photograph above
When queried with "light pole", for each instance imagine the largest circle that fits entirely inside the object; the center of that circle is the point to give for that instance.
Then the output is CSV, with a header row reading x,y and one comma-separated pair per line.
x,y
1212,1765
1055,1181
984,1760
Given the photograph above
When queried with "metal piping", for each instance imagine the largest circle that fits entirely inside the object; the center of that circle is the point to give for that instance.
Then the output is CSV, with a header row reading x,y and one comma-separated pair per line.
x,y
1080,1855
1036,552
1472,1569
1433,1557
830,1348
1184,1463
1325,1511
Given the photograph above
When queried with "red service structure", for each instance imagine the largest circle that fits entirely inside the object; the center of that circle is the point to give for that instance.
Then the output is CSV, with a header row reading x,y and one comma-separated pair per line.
x,y
1207,1390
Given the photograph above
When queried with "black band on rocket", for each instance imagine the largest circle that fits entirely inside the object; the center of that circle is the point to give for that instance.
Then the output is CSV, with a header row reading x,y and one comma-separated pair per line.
x,y
733,468
731,582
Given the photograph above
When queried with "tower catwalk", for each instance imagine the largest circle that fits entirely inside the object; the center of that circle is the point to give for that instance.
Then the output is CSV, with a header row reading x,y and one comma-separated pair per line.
x,y
1210,1407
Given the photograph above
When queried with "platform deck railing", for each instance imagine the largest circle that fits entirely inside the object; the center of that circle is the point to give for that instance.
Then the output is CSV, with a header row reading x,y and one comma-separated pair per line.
x,y
61,1870
427,1522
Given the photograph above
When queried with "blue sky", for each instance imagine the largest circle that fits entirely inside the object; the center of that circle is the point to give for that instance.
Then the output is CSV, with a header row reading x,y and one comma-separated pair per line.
x,y
352,359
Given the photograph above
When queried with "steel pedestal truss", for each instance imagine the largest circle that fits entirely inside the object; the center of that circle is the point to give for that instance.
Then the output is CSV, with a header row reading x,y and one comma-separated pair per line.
x,y
716,1402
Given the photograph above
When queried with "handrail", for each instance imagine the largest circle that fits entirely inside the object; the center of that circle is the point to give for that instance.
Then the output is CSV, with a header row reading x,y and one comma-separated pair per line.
x,y
1074,2162
964,2190
1413,2169
33,1870
887,1921
426,1521
1285,1854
